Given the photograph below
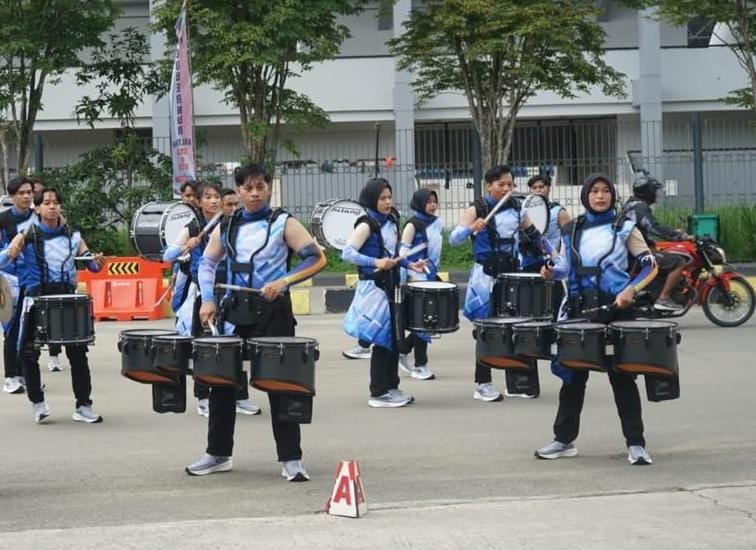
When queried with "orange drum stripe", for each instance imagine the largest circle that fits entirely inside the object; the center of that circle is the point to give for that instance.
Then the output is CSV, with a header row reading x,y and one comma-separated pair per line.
x,y
277,385
147,377
644,369
503,362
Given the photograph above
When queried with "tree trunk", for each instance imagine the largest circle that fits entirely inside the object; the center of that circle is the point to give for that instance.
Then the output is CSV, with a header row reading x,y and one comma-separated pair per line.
x,y
4,152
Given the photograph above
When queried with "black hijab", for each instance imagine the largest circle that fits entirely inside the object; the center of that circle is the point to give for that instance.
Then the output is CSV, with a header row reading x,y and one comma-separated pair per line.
x,y
420,199
589,182
372,192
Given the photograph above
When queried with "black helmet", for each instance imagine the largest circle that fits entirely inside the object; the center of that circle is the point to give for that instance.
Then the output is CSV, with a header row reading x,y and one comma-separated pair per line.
x,y
646,188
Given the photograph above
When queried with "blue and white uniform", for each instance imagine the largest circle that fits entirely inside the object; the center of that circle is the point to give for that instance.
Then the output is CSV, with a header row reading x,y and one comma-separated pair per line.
x,y
434,238
14,271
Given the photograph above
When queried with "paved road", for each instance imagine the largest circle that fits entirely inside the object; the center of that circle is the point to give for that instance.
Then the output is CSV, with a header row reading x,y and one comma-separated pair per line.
x,y
446,457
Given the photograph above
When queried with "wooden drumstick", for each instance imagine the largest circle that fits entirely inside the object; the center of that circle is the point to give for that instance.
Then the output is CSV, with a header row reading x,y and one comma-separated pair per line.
x,y
410,252
238,288
209,226
496,208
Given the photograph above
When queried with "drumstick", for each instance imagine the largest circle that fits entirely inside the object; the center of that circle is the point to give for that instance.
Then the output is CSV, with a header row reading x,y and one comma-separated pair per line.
x,y
209,226
496,208
239,288
165,294
410,252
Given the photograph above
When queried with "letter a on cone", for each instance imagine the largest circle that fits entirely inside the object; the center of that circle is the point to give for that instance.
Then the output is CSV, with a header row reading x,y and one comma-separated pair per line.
x,y
348,497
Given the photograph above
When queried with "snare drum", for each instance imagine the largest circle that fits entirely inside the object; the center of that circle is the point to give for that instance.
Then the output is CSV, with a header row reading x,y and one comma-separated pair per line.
x,y
581,346
523,295
332,221
534,339
137,362
171,353
494,345
63,319
218,361
284,364
156,225
431,306
645,347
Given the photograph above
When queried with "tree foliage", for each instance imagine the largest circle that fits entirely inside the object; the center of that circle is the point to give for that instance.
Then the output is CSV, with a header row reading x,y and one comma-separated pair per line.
x,y
500,53
252,49
738,17
39,40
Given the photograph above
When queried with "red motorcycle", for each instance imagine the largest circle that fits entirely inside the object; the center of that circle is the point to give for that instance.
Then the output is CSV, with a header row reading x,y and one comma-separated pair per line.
x,y
727,298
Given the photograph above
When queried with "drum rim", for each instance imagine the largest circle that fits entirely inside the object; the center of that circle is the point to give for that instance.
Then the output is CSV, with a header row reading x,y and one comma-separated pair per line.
x,y
75,295
511,321
213,340
660,324
255,341
521,276
132,332
435,285
173,338
581,326
535,324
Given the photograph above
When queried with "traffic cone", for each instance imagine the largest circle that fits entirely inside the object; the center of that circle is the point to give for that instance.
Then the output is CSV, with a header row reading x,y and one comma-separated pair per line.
x,y
348,497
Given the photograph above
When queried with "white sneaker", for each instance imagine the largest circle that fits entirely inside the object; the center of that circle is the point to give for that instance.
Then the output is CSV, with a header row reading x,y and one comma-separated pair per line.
x,y
638,456
520,395
12,385
293,470
390,400
396,392
53,364
41,411
210,464
357,352
404,364
203,407
557,449
85,413
245,406
486,392
423,373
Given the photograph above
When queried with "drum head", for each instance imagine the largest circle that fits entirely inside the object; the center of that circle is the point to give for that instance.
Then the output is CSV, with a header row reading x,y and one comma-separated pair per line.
x,y
146,332
537,210
644,324
535,324
502,321
337,222
434,285
175,218
216,340
521,276
285,340
580,326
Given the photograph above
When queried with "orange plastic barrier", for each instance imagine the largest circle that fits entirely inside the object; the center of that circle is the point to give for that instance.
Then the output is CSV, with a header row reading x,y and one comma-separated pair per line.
x,y
127,288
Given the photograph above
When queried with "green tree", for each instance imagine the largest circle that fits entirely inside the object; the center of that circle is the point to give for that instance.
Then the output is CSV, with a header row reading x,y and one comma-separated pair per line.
x,y
252,49
737,18
39,41
500,53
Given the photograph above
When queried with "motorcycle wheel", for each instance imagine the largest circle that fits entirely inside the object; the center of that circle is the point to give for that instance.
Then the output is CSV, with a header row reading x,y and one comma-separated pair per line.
x,y
730,309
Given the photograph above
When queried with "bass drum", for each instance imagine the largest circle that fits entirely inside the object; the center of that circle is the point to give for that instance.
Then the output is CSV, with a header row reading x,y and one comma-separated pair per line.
x,y
5,202
332,222
537,209
157,225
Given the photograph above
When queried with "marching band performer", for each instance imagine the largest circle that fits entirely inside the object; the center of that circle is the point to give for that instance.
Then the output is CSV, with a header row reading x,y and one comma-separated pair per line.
x,y
595,262
257,243
372,316
496,251
423,228
48,249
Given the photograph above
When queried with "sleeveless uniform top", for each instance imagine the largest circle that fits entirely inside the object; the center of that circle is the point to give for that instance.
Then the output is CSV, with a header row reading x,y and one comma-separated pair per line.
x,y
12,223
49,256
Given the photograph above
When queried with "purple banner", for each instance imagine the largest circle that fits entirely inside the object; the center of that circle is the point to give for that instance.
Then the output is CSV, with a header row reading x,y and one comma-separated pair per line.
x,y
181,110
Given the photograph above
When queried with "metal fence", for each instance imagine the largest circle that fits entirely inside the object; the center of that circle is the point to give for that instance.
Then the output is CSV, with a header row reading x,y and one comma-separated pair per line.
x,y
445,156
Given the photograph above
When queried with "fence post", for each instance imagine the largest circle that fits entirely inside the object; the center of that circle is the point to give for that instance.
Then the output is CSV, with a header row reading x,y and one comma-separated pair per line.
x,y
39,153
698,183
477,158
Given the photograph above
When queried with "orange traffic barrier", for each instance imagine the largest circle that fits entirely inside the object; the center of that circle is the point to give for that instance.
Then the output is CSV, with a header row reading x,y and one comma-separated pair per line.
x,y
127,288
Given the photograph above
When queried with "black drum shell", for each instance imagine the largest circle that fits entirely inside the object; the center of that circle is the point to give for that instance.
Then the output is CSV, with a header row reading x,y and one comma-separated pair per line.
x,y
522,295
284,364
494,344
433,310
171,353
662,388
534,339
645,347
137,362
169,397
242,309
218,361
63,319
149,227
582,346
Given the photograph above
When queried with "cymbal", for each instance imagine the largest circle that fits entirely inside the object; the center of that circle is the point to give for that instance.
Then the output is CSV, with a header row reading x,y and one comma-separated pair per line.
x,y
6,300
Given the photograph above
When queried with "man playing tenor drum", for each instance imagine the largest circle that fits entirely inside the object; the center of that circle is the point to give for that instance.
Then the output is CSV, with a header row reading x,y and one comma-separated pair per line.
x,y
257,242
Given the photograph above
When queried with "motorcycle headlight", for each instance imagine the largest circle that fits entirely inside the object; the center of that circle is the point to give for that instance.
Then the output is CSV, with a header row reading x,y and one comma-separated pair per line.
x,y
717,270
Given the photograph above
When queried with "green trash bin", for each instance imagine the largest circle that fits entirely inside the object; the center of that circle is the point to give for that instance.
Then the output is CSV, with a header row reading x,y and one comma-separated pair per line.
x,y
702,225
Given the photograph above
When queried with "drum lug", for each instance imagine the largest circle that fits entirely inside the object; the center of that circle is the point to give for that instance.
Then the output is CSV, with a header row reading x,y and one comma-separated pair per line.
x,y
121,346
646,332
317,354
475,334
280,353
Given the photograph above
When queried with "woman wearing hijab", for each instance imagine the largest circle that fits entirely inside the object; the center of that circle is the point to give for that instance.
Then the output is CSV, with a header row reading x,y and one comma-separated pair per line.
x,y
374,249
595,263
422,228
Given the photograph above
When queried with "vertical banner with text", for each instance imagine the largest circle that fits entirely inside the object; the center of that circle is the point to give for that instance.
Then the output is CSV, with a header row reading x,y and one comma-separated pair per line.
x,y
182,110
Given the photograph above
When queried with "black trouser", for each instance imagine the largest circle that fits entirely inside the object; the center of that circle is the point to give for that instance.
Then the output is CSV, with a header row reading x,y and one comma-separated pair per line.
x,y
220,432
384,370
420,348
54,349
363,343
626,398
80,376
10,343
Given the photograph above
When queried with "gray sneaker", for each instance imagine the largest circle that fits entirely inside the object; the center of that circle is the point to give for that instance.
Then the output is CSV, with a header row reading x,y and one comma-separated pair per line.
x,y
245,406
404,364
486,392
638,456
86,414
667,305
357,352
203,407
293,470
396,392
13,385
388,399
423,373
41,411
210,464
557,449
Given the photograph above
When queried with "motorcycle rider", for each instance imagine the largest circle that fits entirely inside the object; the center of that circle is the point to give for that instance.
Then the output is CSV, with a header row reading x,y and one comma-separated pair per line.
x,y
638,209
